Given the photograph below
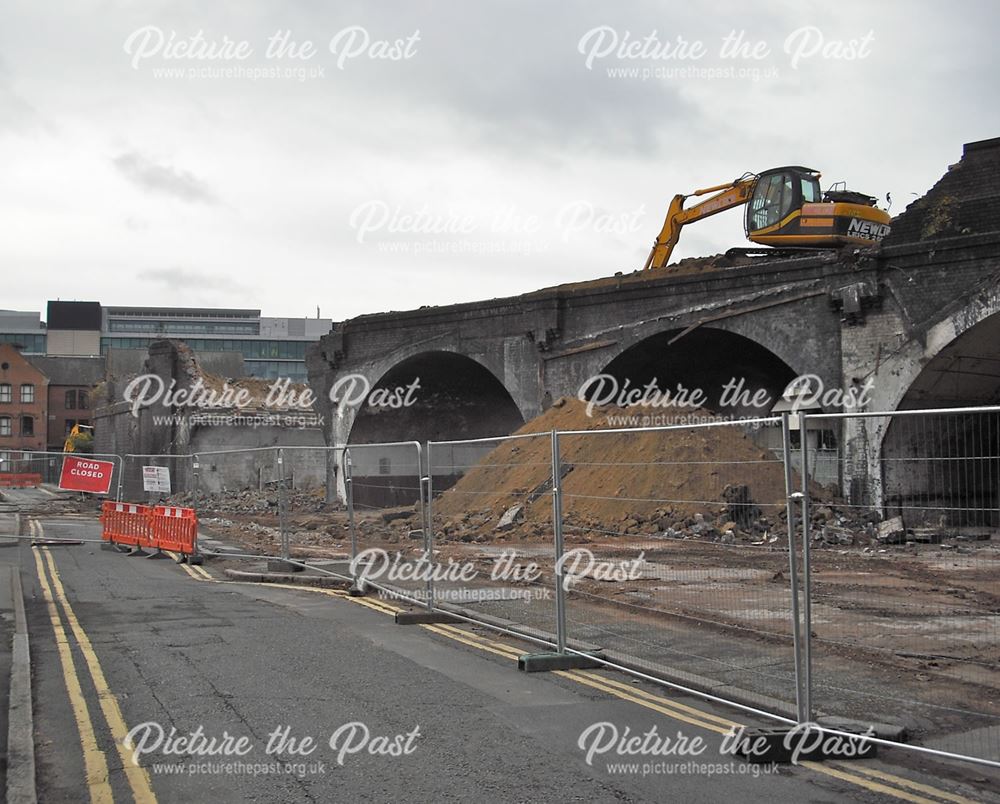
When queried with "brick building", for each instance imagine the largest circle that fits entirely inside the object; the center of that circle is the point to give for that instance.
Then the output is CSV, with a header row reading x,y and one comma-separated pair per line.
x,y
23,400
70,397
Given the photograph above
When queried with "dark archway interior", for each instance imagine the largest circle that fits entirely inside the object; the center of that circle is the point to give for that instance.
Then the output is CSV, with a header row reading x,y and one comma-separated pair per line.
x,y
457,398
706,359
944,470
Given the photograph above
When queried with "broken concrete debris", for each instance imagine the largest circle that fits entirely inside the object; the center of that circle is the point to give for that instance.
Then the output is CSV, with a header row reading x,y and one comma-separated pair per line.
x,y
892,531
510,517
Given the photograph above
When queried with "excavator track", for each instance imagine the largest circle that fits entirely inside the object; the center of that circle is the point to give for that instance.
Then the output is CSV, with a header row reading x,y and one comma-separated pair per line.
x,y
767,253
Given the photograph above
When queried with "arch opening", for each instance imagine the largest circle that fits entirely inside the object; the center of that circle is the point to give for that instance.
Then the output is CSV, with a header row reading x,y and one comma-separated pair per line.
x,y
736,375
942,471
452,397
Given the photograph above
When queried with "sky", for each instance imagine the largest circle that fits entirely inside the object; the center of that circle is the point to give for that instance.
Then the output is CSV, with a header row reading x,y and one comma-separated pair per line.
x,y
359,157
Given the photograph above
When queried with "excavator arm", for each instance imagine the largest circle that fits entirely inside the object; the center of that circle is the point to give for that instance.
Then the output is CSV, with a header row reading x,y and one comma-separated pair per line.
x,y
727,196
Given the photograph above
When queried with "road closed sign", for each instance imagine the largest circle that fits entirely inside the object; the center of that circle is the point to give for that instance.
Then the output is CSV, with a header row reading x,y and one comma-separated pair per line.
x,y
86,474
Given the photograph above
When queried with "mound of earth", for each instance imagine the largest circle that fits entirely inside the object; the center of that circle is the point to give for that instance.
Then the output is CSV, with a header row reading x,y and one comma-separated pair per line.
x,y
636,482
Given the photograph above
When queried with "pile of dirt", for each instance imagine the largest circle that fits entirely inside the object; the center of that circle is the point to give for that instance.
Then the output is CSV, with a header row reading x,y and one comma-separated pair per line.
x,y
685,267
700,478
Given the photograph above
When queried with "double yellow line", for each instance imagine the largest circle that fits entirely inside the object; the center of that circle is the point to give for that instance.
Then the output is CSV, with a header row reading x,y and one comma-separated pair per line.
x,y
62,616
871,779
705,720
195,571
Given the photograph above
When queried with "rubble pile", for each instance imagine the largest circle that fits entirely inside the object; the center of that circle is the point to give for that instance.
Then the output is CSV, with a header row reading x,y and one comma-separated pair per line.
x,y
710,483
253,501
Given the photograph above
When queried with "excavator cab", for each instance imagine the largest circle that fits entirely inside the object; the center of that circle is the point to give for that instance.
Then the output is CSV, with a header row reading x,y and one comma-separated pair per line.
x,y
777,194
787,210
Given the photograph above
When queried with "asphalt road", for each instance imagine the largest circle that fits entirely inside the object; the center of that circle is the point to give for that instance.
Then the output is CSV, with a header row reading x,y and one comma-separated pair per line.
x,y
118,642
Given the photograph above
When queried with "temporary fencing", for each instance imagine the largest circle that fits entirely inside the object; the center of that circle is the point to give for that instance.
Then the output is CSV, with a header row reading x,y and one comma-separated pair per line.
x,y
286,491
677,553
20,480
175,529
483,493
24,469
127,524
741,558
803,566
385,491
903,577
160,527
141,481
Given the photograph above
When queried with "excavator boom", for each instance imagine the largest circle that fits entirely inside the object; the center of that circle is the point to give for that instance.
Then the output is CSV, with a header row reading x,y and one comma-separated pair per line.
x,y
733,194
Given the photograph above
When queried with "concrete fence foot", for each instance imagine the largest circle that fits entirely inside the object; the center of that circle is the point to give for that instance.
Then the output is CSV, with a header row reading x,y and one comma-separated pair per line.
x,y
424,617
547,662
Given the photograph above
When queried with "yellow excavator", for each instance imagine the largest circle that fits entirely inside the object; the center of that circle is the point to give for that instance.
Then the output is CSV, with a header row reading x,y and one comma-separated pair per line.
x,y
785,211
69,445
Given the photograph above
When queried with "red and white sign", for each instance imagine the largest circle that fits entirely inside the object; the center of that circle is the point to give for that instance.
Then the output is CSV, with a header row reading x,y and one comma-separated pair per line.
x,y
86,474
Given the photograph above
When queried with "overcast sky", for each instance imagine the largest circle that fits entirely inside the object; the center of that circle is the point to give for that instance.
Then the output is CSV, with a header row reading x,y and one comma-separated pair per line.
x,y
471,150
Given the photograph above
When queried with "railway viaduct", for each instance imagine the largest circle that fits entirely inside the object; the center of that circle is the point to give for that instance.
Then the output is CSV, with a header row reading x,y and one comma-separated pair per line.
x,y
915,320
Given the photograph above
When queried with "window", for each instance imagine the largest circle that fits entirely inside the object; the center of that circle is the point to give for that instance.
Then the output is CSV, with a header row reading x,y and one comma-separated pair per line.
x,y
5,392
71,400
81,400
826,439
182,327
5,425
70,424
772,200
28,426
384,466
27,343
810,191
28,393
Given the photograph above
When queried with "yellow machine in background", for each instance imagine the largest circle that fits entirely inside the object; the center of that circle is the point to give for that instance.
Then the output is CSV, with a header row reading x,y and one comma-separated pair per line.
x,y
785,210
70,444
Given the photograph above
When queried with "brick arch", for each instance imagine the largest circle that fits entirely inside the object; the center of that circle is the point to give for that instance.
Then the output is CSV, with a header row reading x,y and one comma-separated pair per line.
x,y
904,382
707,357
453,396
952,328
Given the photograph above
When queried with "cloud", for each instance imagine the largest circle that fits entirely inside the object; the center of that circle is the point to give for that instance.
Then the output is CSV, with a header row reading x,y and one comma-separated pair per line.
x,y
16,114
497,111
160,178
179,277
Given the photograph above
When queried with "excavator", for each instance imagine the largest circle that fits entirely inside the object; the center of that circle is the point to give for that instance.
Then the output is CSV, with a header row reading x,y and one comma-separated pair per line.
x,y
786,213
70,444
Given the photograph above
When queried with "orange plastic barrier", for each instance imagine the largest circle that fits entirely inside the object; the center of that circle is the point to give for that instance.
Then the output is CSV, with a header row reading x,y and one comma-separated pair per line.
x,y
160,527
21,480
175,529
127,523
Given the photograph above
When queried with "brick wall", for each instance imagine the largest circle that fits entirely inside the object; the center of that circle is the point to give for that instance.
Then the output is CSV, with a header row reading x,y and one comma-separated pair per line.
x,y
16,372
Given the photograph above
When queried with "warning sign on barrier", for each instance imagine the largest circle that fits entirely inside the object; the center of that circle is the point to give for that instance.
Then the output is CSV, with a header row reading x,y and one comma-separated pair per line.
x,y
156,478
86,474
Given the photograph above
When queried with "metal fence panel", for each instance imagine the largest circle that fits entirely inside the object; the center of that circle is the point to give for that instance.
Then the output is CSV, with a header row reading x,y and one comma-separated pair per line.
x,y
182,479
239,494
678,537
905,577
48,466
386,521
492,512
